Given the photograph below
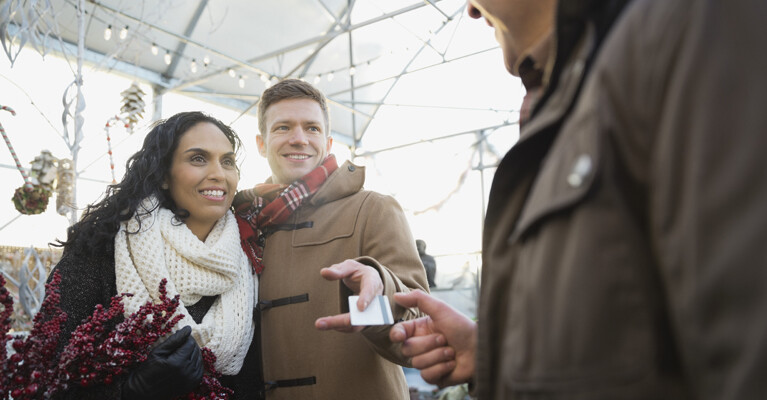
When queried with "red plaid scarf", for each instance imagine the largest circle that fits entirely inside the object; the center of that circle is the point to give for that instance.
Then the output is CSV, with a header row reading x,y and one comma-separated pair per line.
x,y
272,204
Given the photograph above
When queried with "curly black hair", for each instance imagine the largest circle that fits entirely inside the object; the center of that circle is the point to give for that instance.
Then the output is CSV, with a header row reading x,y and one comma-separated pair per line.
x,y
145,173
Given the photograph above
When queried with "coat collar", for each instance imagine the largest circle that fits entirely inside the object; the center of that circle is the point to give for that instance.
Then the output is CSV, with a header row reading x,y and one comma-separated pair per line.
x,y
345,181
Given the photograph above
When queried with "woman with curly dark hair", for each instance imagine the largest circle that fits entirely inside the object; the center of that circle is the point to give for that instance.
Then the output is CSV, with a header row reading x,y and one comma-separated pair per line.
x,y
169,218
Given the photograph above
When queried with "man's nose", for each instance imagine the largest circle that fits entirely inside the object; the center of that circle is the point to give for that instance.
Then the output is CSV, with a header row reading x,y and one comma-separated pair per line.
x,y
298,136
472,10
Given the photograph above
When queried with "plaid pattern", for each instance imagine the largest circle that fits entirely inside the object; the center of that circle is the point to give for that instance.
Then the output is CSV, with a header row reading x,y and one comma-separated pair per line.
x,y
272,205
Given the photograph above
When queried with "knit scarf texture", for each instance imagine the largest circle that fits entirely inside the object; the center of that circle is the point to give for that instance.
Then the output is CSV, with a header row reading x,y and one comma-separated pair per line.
x,y
166,248
273,204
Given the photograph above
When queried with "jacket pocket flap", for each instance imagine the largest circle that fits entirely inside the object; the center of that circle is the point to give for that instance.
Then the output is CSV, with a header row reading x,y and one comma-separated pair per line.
x,y
331,222
566,176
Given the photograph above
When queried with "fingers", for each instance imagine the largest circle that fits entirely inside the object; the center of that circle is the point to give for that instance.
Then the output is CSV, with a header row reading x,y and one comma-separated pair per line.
x,y
438,374
437,356
174,341
399,332
418,345
340,322
420,299
186,353
361,279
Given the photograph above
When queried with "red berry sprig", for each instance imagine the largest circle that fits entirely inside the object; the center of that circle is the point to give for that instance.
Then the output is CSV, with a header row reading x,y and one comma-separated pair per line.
x,y
94,354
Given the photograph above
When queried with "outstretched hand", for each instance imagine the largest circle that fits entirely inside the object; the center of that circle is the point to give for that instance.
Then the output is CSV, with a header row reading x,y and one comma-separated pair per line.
x,y
362,280
442,344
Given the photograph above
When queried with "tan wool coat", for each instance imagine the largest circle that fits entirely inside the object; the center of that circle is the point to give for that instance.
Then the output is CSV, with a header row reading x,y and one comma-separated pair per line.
x,y
341,221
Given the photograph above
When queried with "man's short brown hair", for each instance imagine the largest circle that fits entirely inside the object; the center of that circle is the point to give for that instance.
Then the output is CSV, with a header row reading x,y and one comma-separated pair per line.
x,y
290,89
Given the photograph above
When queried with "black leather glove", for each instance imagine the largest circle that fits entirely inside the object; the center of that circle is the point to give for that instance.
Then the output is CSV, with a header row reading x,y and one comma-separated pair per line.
x,y
173,368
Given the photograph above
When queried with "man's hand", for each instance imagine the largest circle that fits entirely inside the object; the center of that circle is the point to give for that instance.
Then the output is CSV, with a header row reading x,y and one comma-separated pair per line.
x,y
442,345
362,280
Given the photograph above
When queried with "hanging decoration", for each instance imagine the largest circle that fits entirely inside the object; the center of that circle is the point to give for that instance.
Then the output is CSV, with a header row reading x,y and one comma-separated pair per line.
x,y
132,106
30,198
65,183
33,26
44,171
112,121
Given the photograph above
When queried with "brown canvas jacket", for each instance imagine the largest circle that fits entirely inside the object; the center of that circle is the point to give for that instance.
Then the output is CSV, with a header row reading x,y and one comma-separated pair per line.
x,y
624,253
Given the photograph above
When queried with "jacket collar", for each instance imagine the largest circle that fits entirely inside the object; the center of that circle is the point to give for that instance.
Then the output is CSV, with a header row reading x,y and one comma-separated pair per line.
x,y
345,181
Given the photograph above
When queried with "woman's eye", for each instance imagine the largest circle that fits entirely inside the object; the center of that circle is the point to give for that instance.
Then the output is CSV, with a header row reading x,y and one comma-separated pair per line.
x,y
229,162
198,158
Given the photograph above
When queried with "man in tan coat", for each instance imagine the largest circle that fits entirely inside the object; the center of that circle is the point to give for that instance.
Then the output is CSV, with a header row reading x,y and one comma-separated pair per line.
x,y
315,237
624,247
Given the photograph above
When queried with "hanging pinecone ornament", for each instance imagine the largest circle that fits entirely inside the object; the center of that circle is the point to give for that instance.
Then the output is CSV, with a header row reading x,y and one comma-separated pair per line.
x,y
43,171
31,198
133,105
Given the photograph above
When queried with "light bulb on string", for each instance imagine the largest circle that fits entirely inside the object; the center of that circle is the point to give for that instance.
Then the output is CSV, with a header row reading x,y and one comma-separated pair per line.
x,y
352,71
264,78
317,79
206,60
108,32
193,66
124,33
241,82
155,50
167,57
231,73
330,77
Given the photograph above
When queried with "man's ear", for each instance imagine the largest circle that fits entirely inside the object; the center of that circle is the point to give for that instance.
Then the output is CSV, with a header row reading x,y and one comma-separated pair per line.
x,y
329,144
261,145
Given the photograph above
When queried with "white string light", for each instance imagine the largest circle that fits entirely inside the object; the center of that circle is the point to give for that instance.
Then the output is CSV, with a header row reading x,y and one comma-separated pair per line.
x,y
108,32
206,60
193,66
352,71
231,73
330,77
241,82
155,50
167,57
124,33
264,78
317,79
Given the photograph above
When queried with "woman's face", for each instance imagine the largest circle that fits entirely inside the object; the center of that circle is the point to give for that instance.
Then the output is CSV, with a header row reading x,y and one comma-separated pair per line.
x,y
203,176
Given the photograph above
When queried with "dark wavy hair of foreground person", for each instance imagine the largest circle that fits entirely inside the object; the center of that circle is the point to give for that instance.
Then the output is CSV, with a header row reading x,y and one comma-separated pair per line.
x,y
145,172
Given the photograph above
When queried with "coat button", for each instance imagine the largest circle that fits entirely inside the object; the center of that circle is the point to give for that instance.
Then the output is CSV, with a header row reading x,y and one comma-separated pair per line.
x,y
581,170
351,168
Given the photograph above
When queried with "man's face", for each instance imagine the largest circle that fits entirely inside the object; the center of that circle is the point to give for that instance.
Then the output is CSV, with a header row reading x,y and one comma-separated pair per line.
x,y
296,141
519,24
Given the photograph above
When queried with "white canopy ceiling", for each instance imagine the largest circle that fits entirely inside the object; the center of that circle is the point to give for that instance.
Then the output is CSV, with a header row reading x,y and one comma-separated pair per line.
x,y
413,83
360,53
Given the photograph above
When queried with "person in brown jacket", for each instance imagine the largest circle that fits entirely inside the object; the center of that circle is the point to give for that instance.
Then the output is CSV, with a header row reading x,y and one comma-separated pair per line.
x,y
315,238
623,250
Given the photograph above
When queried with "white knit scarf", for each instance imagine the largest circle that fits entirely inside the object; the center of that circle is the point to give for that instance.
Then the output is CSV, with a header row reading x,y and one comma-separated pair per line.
x,y
165,248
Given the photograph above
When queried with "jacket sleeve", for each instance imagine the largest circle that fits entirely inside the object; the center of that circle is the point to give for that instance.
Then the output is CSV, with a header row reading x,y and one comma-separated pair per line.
x,y
707,188
85,282
389,247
